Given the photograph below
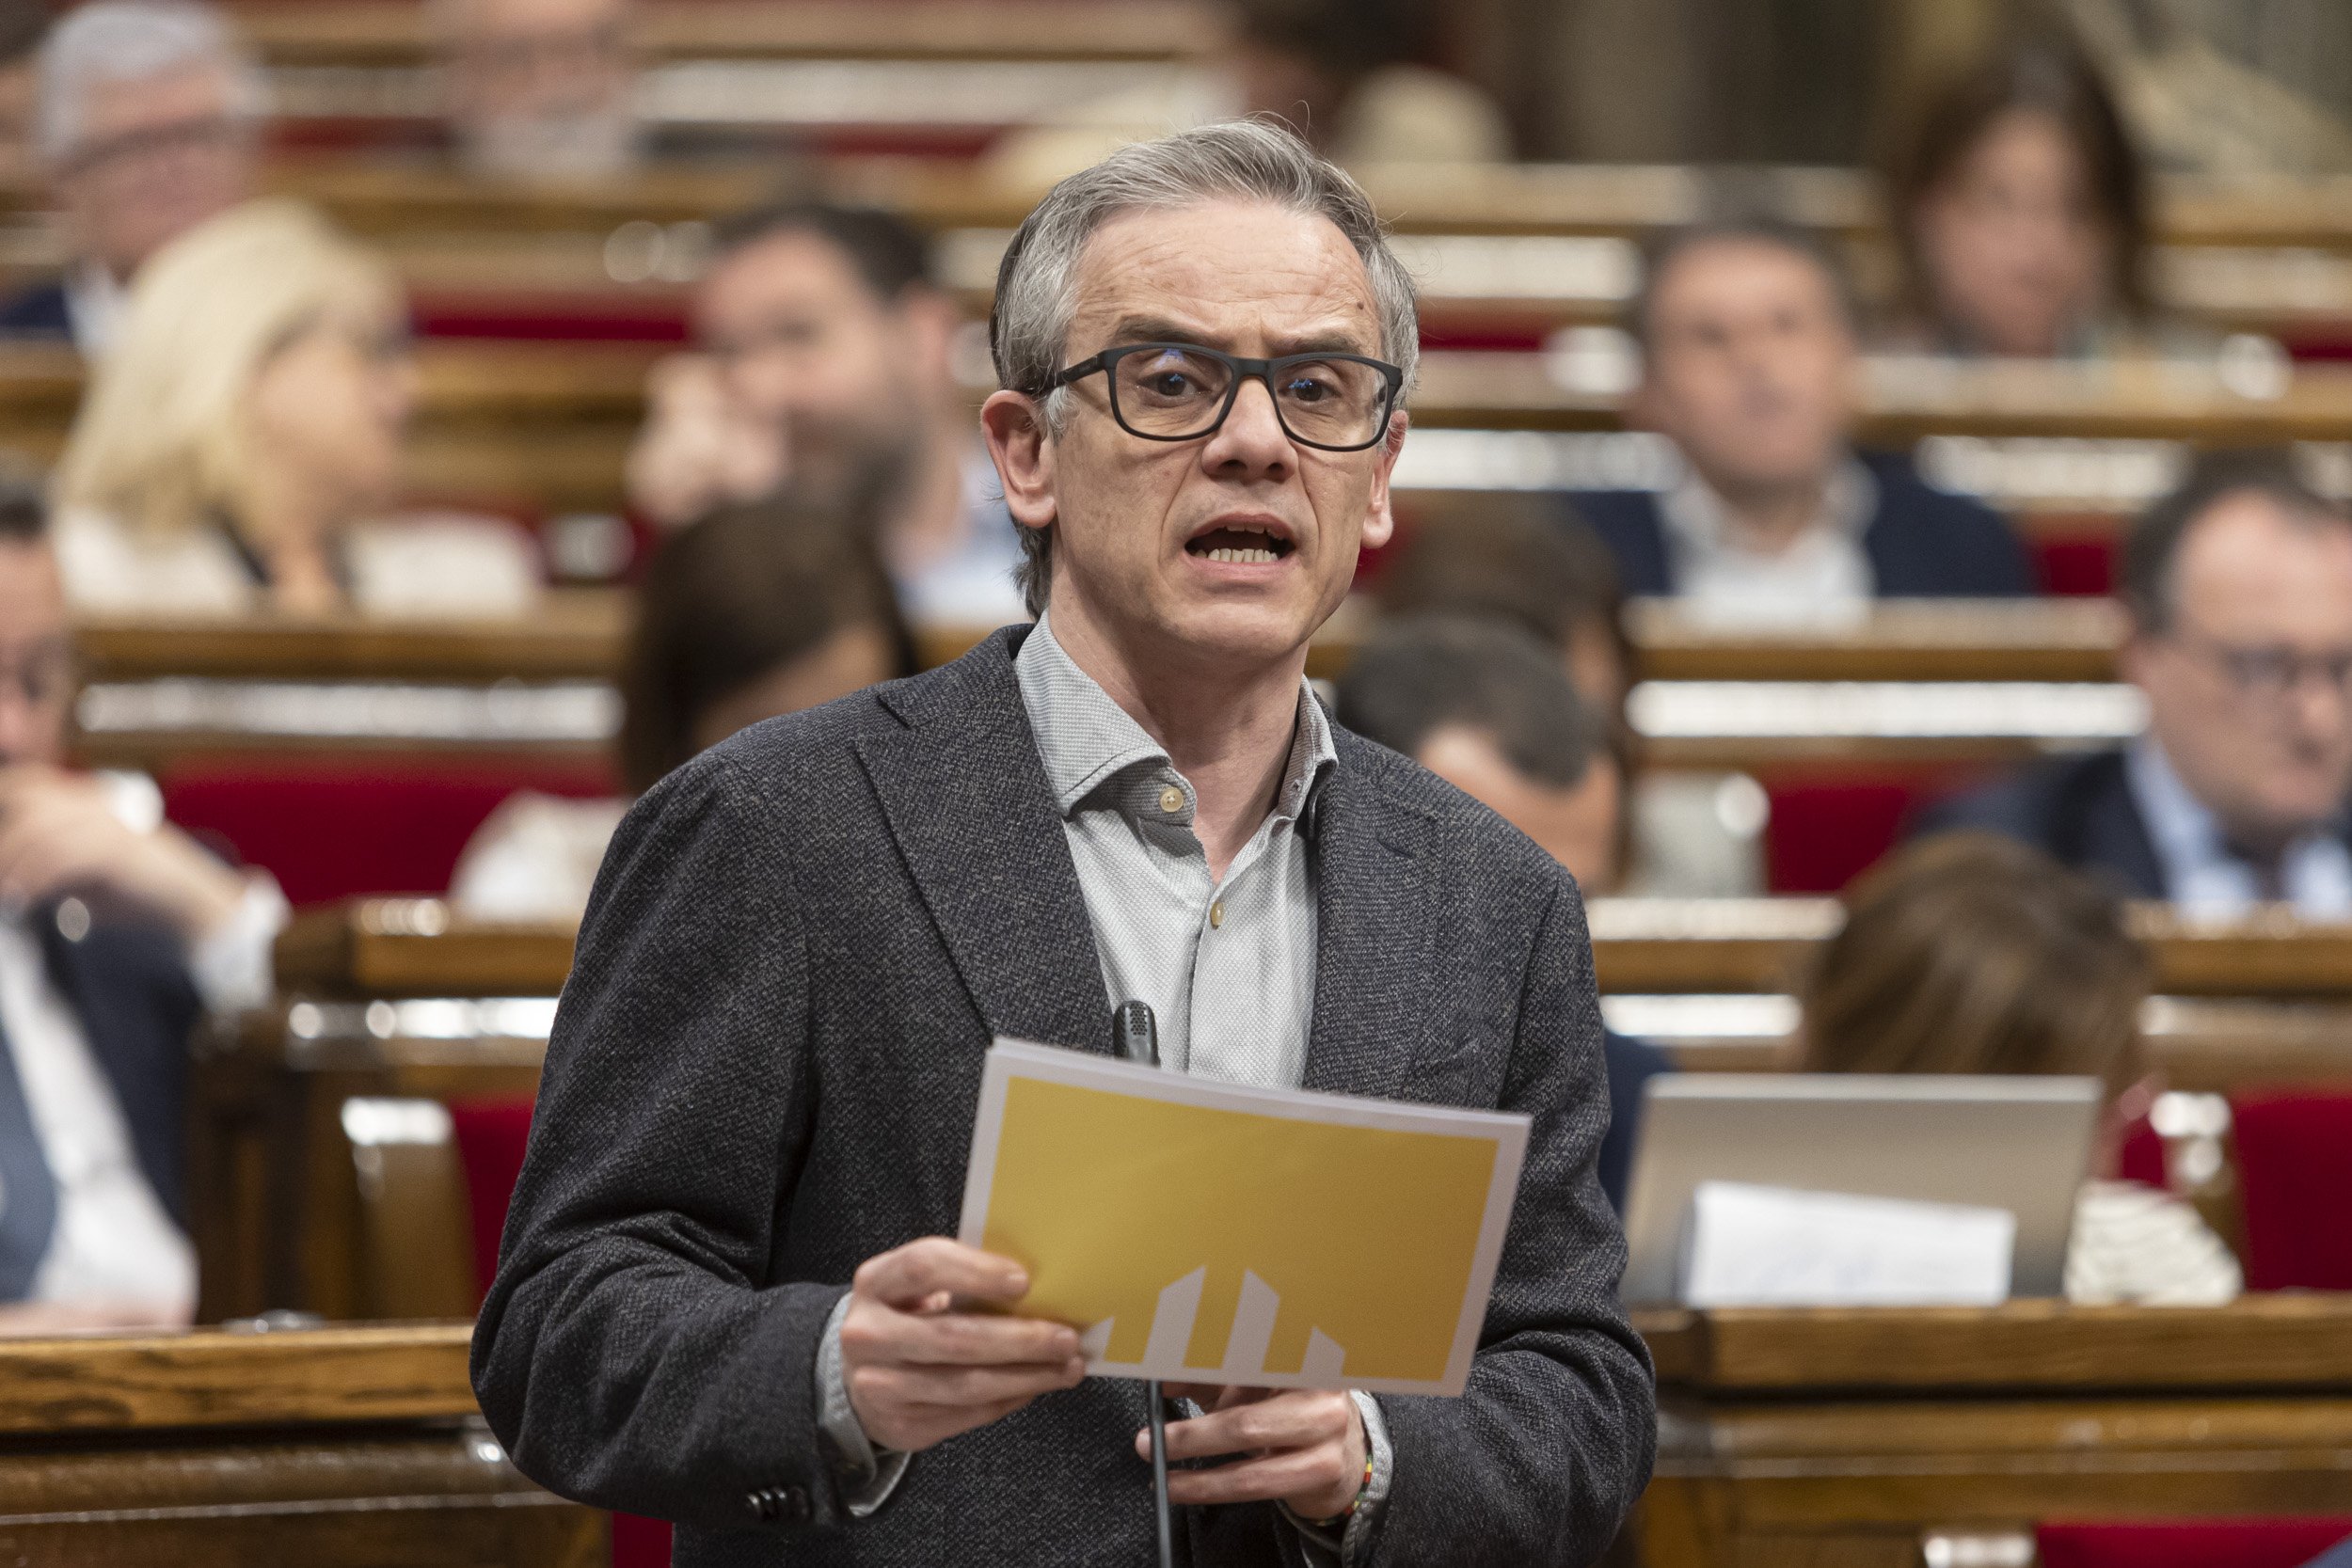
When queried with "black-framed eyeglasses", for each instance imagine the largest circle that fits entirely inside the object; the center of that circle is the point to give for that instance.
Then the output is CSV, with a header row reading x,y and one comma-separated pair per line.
x,y
1183,392
2273,674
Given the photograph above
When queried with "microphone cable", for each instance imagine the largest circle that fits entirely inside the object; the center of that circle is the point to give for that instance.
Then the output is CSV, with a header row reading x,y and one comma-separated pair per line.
x,y
1135,1038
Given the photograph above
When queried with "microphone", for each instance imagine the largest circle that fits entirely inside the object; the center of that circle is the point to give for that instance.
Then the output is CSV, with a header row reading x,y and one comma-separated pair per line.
x,y
1135,1034
1135,1038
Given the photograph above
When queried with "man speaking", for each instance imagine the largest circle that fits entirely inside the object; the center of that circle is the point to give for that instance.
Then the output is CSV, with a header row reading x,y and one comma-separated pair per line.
x,y
727,1295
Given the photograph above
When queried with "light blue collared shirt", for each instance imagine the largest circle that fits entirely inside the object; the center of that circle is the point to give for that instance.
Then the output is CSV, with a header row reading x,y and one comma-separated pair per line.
x,y
2202,875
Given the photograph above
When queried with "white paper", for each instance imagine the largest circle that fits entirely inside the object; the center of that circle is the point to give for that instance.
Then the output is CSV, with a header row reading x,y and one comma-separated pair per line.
x,y
1746,1245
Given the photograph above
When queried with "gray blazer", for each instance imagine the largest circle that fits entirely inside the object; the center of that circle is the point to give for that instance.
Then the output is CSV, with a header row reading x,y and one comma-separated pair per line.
x,y
764,1072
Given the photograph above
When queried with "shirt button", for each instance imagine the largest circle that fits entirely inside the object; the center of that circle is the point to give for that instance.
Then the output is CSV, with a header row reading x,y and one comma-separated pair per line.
x,y
1171,799
1217,914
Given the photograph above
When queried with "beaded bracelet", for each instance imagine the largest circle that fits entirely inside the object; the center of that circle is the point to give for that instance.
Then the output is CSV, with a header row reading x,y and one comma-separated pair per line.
x,y
1344,1515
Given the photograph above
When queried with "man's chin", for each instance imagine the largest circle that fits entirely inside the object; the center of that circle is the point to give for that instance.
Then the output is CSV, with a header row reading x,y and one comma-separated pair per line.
x,y
1244,630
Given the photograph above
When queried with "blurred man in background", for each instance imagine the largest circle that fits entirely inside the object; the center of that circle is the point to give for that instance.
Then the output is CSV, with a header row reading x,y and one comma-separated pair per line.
x,y
22,26
116,930
1491,711
541,90
825,367
148,117
2240,590
1750,366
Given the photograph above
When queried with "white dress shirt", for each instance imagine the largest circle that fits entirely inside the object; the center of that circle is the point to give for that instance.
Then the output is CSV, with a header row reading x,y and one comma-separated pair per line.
x,y
93,308
113,1240
1822,572
1228,966
113,1244
2202,875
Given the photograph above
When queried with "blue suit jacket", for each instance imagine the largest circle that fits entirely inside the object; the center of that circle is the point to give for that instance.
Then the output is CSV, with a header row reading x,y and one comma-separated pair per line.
x,y
2338,1556
1922,542
2077,810
129,986
36,311
1631,1064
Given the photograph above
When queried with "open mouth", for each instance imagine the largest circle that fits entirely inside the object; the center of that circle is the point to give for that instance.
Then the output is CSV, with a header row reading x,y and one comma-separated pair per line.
x,y
1240,544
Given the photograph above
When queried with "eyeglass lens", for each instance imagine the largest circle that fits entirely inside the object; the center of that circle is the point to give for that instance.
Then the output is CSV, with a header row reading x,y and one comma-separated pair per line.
x,y
2277,672
44,675
1175,394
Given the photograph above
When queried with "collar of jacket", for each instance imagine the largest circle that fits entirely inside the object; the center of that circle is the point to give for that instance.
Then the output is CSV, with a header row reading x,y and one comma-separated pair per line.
x,y
965,797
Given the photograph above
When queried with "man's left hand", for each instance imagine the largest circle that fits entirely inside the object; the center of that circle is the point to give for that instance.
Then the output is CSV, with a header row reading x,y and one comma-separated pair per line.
x,y
1305,1447
58,837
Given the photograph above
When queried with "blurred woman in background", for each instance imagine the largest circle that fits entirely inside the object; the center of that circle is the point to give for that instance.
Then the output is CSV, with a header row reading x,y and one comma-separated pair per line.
x,y
241,442
753,612
1971,954
2020,210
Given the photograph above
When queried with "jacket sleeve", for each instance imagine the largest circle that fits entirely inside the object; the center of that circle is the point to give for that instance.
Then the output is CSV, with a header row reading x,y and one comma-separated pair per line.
x,y
630,1353
1542,1457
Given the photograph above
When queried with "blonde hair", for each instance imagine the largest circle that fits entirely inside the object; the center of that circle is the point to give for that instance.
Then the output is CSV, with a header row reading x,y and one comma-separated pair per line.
x,y
1970,953
160,442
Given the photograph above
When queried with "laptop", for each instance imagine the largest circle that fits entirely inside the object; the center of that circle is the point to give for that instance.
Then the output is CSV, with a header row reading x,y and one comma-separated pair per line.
x,y
2019,1144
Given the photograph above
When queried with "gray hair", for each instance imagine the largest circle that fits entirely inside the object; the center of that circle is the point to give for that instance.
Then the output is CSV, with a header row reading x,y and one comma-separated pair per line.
x,y
1248,160
134,41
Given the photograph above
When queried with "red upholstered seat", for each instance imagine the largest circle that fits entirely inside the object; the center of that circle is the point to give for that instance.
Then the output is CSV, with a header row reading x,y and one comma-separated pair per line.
x,y
490,1136
1827,828
2294,1166
2191,1543
2075,564
341,830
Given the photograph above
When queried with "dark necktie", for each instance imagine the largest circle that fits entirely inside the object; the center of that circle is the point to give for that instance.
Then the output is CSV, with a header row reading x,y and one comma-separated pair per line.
x,y
29,1193
2270,882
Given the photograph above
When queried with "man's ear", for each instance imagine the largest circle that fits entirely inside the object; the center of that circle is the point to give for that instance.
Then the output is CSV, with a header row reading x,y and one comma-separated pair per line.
x,y
1380,519
1015,428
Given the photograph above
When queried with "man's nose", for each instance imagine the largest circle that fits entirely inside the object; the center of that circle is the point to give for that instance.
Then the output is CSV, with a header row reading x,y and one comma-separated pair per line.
x,y
2320,704
1251,440
21,726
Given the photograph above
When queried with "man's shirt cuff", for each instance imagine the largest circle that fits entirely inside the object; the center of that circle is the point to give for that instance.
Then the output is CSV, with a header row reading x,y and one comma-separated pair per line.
x,y
868,1474
1351,1544
234,968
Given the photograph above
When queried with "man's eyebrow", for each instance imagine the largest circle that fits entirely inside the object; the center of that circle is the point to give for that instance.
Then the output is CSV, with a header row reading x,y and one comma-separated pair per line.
x,y
1337,340
1159,329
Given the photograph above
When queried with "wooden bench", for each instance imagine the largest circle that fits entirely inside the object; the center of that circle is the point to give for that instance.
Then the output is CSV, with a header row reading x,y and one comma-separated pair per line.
x,y
386,32
335,1448
1834,1438
163,693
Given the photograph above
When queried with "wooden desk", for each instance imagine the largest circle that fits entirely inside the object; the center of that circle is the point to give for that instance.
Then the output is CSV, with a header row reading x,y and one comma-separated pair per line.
x,y
1843,1438
575,634
548,425
1713,946
380,32
544,426
1902,640
400,998
163,691
323,1447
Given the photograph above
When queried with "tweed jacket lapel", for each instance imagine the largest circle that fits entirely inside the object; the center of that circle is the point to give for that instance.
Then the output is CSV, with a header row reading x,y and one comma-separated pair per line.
x,y
1375,858
965,797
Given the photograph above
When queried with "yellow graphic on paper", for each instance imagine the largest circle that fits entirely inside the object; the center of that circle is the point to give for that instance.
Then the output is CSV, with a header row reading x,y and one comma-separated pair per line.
x,y
1276,1245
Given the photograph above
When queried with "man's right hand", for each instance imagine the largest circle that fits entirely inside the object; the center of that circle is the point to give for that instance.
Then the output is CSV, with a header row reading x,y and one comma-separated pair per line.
x,y
921,1369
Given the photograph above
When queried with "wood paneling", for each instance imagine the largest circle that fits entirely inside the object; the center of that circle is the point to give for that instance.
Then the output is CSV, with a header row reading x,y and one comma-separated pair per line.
x,y
576,634
2299,1342
335,1448
1833,1438
312,1377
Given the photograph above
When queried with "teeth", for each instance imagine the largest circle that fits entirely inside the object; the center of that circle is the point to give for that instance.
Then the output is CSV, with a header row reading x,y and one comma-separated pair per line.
x,y
1244,558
